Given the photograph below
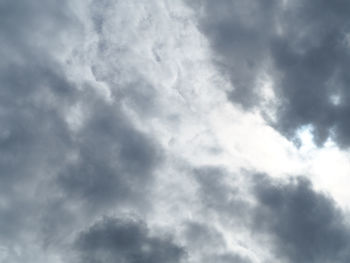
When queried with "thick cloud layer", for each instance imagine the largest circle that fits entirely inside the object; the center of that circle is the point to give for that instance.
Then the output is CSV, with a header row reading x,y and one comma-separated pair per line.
x,y
34,95
117,240
114,163
286,217
62,143
305,226
116,110
302,46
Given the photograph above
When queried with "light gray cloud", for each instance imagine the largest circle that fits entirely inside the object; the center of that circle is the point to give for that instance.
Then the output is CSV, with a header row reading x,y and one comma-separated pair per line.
x,y
207,244
46,167
219,191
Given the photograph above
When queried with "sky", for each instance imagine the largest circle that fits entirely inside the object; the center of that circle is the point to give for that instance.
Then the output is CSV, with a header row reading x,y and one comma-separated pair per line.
x,y
174,131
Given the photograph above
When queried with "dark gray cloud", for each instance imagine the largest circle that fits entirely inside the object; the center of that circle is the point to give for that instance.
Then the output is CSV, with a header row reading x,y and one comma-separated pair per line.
x,y
303,46
124,240
115,162
238,32
31,124
304,225
112,168
289,218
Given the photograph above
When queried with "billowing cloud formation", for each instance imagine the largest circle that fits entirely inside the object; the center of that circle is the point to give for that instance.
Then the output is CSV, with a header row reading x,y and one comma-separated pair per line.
x,y
126,241
305,226
116,110
62,143
114,161
303,47
286,217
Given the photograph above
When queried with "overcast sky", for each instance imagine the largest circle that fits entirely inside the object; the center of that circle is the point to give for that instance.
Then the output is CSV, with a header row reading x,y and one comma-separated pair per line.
x,y
170,131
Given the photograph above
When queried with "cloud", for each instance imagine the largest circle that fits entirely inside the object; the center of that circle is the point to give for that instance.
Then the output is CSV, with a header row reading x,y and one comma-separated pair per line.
x,y
62,143
218,191
110,109
32,124
207,244
285,217
303,47
34,137
238,32
114,161
129,241
303,224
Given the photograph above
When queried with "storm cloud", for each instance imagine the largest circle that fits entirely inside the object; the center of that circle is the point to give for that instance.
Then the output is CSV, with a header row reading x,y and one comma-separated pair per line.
x,y
305,225
129,130
302,46
124,240
286,216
